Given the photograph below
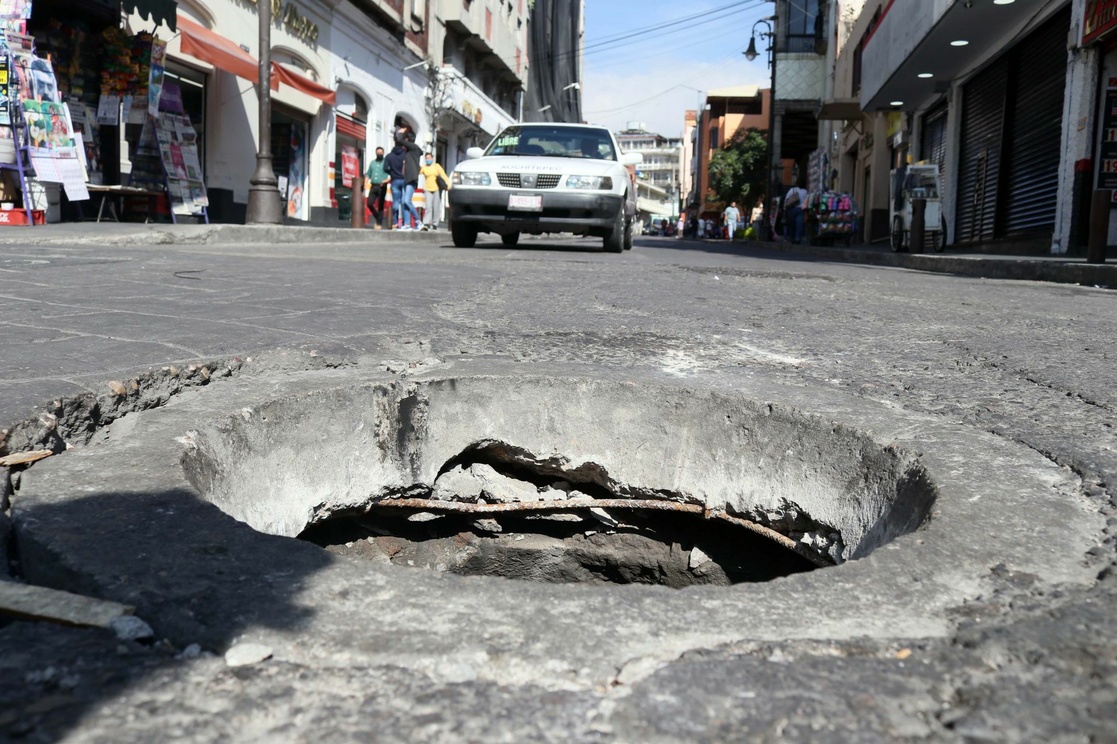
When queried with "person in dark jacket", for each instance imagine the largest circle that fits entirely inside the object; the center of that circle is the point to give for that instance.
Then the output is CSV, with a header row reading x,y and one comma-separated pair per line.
x,y
413,154
394,165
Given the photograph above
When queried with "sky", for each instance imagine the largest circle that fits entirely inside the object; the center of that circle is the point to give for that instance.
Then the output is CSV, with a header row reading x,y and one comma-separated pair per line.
x,y
663,65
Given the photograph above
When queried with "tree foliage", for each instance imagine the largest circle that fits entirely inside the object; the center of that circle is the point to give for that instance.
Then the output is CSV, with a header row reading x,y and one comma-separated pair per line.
x,y
738,171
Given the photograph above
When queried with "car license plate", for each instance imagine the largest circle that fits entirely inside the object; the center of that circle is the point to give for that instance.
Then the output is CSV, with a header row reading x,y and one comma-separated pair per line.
x,y
526,202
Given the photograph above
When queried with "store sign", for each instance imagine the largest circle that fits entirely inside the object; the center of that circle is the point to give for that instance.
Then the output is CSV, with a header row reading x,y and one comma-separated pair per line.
x,y
1107,157
1100,18
298,24
350,165
471,112
895,123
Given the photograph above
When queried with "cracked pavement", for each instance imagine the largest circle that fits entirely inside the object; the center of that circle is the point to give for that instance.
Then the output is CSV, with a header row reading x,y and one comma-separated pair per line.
x,y
1030,363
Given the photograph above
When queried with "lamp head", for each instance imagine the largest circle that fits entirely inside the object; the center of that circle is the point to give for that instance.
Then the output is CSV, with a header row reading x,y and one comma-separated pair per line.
x,y
750,53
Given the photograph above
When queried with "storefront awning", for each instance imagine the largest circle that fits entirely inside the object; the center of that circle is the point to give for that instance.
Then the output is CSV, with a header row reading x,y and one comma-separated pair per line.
x,y
224,54
198,41
839,109
303,84
157,11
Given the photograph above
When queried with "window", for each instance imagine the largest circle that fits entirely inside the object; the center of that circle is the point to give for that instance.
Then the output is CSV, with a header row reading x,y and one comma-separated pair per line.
x,y
804,25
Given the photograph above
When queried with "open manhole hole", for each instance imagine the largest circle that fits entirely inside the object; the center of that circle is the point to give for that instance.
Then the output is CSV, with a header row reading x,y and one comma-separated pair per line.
x,y
561,480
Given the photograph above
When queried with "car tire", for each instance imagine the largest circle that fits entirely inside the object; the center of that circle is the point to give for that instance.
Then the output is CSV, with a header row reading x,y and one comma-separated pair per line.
x,y
614,240
464,236
510,239
628,237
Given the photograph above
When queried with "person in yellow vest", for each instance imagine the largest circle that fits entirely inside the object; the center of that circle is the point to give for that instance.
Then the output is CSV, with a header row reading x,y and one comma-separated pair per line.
x,y
435,181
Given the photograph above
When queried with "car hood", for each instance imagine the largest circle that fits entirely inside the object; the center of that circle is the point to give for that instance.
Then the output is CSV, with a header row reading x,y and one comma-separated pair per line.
x,y
529,164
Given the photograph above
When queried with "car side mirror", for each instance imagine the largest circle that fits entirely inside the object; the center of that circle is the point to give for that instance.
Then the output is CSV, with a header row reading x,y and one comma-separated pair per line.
x,y
473,153
632,158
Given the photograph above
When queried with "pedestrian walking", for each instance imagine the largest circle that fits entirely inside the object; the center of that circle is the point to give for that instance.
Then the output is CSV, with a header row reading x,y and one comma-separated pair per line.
x,y
731,217
393,166
435,181
680,227
379,182
795,218
413,155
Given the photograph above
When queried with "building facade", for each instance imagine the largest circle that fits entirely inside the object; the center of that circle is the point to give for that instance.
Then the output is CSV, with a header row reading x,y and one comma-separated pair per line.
x,y
557,42
863,145
1004,97
726,112
805,49
349,73
659,180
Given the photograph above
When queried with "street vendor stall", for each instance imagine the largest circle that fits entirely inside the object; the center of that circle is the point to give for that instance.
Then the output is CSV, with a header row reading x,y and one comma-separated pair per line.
x,y
832,217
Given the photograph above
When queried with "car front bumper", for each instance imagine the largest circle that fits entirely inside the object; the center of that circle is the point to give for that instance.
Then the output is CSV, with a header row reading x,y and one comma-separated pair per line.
x,y
487,209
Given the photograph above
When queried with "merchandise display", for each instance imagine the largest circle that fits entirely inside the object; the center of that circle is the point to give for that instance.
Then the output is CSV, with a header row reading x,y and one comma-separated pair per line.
x,y
834,217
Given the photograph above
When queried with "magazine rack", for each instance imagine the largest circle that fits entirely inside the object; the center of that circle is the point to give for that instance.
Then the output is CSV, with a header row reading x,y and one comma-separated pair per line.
x,y
158,176
21,140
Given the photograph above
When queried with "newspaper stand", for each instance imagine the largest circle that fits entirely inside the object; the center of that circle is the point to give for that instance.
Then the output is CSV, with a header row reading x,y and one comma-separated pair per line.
x,y
157,174
21,140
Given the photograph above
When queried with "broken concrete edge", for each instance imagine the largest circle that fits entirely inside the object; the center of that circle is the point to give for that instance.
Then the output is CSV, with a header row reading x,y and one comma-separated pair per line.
x,y
74,419
417,430
204,577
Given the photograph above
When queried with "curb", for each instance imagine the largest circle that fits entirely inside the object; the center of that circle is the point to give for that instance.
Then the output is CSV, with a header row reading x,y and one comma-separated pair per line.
x,y
210,234
1055,270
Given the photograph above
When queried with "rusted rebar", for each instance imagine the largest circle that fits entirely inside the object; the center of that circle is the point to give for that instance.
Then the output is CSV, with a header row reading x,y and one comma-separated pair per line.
x,y
465,507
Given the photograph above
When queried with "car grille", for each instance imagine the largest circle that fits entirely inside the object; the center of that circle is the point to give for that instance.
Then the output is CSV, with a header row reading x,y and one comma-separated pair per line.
x,y
542,181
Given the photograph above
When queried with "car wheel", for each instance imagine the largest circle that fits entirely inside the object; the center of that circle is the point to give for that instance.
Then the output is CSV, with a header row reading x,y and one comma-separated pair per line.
x,y
510,239
464,236
614,241
628,237
897,234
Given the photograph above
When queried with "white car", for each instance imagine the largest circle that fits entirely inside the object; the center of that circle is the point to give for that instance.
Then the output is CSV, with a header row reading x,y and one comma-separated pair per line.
x,y
546,178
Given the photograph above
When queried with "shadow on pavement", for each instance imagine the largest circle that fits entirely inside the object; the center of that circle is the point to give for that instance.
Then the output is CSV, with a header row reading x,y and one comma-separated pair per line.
x,y
196,575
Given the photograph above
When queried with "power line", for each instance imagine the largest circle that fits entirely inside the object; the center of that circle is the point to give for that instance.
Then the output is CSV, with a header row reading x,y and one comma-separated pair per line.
x,y
618,40
665,24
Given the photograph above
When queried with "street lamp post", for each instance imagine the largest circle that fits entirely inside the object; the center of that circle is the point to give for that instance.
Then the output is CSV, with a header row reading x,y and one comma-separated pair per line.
x,y
264,204
773,137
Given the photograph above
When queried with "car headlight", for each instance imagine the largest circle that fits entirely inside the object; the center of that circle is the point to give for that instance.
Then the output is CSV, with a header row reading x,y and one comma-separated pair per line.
x,y
468,178
600,183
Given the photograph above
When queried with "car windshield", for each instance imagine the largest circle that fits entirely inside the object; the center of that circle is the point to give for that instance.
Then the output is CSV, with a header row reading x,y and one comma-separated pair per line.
x,y
555,141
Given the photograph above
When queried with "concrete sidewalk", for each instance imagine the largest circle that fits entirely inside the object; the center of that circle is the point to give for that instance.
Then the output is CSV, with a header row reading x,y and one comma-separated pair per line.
x,y
1056,269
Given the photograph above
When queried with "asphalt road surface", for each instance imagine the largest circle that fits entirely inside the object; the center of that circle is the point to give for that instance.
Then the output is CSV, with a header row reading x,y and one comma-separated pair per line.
x,y
1027,363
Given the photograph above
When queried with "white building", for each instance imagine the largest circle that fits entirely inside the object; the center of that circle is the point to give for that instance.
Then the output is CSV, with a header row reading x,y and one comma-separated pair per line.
x,y
661,169
353,71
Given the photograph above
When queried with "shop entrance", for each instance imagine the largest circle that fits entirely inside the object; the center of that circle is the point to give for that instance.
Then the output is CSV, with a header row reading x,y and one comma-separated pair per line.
x,y
289,159
349,163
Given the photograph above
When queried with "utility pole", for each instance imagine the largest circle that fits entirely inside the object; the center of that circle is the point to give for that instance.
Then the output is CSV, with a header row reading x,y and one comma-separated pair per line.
x,y
264,203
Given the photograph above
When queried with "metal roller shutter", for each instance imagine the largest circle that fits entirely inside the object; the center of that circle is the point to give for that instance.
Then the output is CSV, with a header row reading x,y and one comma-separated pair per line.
x,y
983,109
1035,129
932,139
